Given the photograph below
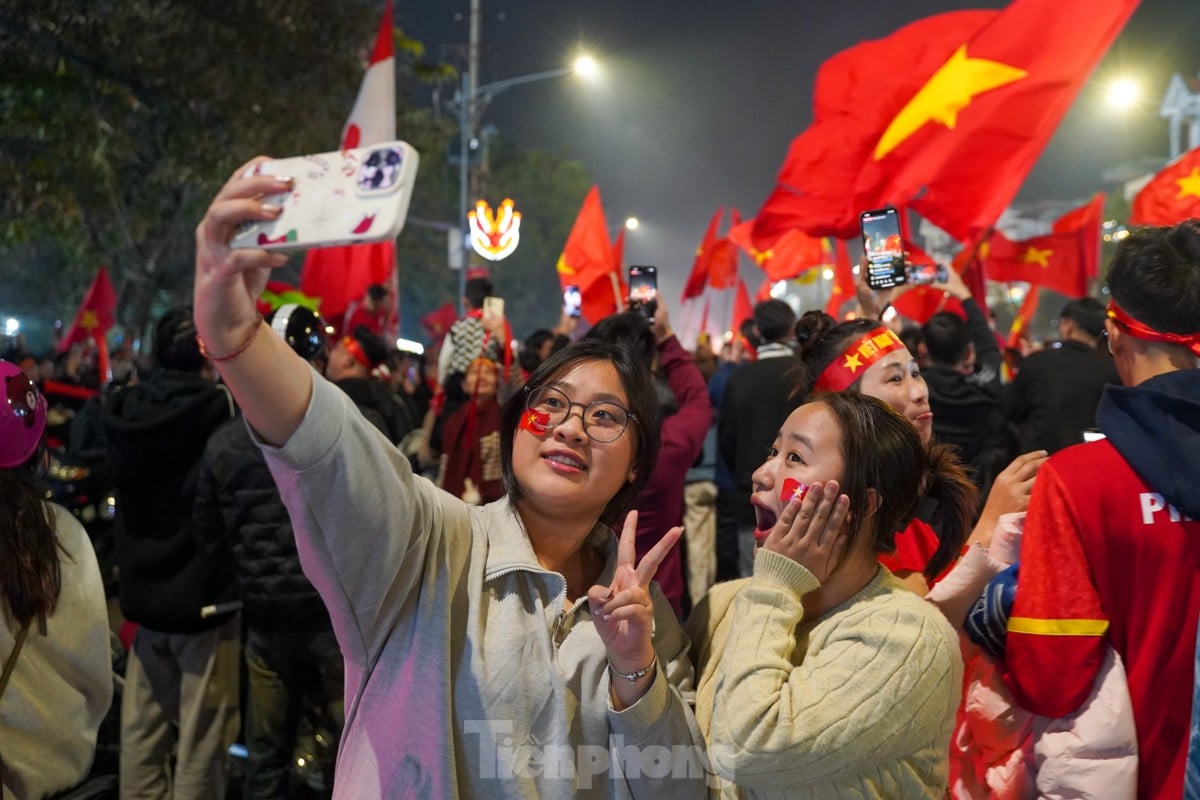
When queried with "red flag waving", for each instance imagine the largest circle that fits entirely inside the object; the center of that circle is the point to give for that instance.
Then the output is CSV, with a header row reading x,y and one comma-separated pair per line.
x,y
95,315
587,261
438,321
1021,322
843,280
340,275
954,132
786,255
1172,195
698,278
743,309
1062,260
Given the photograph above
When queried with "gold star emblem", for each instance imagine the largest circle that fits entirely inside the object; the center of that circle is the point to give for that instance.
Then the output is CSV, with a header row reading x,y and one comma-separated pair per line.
x,y
1189,185
762,256
853,362
563,268
89,321
1039,257
948,92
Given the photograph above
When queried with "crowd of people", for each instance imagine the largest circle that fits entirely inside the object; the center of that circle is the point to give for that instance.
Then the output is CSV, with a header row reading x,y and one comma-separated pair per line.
x,y
828,559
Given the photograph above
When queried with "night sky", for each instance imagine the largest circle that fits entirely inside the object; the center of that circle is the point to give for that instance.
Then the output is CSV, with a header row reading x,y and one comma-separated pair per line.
x,y
699,101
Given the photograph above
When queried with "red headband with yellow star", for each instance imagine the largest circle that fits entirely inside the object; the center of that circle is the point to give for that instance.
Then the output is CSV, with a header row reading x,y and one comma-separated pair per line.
x,y
852,362
1140,330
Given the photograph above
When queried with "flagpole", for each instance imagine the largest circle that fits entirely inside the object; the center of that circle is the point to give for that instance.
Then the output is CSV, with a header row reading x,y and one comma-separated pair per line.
x,y
616,287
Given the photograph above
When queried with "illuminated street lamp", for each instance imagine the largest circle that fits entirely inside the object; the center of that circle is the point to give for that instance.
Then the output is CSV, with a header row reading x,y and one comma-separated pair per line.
x,y
472,102
1124,93
632,223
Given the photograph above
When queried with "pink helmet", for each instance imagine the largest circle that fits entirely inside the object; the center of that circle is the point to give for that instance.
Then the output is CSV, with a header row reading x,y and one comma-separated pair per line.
x,y
22,416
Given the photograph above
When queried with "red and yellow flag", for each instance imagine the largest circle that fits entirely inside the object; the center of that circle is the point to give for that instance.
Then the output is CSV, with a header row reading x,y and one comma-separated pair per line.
x,y
698,277
590,261
1172,195
96,313
946,116
1062,261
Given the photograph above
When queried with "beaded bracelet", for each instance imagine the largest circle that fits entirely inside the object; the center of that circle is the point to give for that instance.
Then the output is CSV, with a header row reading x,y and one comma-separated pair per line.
x,y
633,677
243,347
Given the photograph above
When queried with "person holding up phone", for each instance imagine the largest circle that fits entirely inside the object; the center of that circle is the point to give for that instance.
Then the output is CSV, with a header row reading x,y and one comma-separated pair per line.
x,y
493,651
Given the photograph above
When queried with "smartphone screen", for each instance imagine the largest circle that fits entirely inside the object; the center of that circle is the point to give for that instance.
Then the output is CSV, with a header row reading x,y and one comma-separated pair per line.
x,y
643,289
884,248
926,273
493,307
572,301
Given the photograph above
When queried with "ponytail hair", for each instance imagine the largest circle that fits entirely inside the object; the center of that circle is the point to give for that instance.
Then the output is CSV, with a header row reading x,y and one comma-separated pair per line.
x,y
882,453
30,574
954,498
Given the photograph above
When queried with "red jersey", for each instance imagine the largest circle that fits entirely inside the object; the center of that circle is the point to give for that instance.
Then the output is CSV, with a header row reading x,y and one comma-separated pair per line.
x,y
915,545
1104,557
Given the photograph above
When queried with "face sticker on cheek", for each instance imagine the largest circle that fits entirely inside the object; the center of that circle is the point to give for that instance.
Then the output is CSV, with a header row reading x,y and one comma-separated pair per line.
x,y
792,488
535,422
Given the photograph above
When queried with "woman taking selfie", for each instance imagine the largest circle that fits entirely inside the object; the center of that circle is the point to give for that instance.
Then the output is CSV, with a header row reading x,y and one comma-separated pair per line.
x,y
490,651
822,675
56,683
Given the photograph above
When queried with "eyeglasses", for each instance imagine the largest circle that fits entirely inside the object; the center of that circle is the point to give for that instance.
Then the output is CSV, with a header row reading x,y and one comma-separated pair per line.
x,y
603,420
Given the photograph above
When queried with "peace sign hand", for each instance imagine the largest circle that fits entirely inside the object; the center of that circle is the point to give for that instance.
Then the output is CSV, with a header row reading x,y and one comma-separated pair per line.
x,y
623,611
809,531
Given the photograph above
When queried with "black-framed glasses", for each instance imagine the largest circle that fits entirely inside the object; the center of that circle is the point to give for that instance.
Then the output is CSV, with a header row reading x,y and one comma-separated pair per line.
x,y
603,420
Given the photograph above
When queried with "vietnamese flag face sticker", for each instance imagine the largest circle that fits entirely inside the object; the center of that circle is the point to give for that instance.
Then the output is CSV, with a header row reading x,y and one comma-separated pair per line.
x,y
535,422
792,488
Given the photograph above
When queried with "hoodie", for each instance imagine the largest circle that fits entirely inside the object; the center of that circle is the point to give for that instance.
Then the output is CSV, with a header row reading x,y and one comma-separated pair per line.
x,y
1110,557
157,432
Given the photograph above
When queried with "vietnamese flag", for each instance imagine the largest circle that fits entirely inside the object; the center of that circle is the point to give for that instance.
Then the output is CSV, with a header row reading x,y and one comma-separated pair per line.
x,y
1172,195
743,309
96,313
946,116
340,275
588,261
1063,260
437,322
1023,319
698,278
786,255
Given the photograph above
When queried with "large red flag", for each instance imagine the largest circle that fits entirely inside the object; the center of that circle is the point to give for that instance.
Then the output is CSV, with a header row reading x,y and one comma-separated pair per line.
x,y
1172,195
698,278
1086,221
743,309
96,313
588,261
786,254
946,116
340,275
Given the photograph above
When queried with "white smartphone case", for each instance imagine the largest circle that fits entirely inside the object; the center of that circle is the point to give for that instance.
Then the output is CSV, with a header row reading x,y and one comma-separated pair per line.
x,y
343,197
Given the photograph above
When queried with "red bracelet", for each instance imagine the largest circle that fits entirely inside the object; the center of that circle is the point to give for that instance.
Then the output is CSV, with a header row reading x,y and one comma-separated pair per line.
x,y
241,348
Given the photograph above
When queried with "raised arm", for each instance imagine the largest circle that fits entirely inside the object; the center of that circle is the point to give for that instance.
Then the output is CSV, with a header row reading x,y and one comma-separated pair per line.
x,y
270,382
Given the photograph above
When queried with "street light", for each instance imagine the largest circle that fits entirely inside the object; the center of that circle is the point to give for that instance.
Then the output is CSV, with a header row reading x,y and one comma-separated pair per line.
x,y
1124,93
471,105
632,223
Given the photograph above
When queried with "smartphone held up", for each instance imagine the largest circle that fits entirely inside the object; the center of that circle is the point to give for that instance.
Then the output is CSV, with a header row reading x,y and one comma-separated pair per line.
x,y
883,245
643,289
344,197
572,301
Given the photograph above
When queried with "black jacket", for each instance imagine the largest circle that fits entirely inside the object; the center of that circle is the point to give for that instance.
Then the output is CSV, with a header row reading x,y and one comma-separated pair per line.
x,y
237,496
1056,394
966,408
156,433
757,400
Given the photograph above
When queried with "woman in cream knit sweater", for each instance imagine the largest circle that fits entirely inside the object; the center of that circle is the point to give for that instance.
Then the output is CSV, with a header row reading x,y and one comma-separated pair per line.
x,y
820,675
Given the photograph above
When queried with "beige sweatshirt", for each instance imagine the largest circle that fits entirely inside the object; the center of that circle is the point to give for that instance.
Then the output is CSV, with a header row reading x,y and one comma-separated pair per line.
x,y
856,703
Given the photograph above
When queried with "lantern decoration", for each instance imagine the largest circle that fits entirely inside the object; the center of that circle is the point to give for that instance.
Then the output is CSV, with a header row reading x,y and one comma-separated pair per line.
x,y
494,235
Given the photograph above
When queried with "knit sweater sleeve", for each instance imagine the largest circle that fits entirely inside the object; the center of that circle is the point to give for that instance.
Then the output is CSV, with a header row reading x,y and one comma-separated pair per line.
x,y
878,679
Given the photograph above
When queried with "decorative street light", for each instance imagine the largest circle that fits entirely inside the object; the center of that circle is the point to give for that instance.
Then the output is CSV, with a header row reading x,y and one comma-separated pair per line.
x,y
471,105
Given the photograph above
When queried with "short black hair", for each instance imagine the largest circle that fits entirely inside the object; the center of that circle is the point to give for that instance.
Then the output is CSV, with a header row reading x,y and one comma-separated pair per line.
x,y
643,402
477,289
630,330
175,345
1087,313
376,291
1155,277
372,346
774,320
529,357
946,338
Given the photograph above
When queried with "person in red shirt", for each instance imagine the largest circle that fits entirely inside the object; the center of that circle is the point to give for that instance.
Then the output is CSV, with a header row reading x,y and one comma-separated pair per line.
x,y
371,311
1111,550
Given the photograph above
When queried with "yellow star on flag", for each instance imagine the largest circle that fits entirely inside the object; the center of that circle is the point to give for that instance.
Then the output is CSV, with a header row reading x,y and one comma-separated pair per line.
x,y
763,256
949,91
89,321
1039,257
1189,185
562,267
853,362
